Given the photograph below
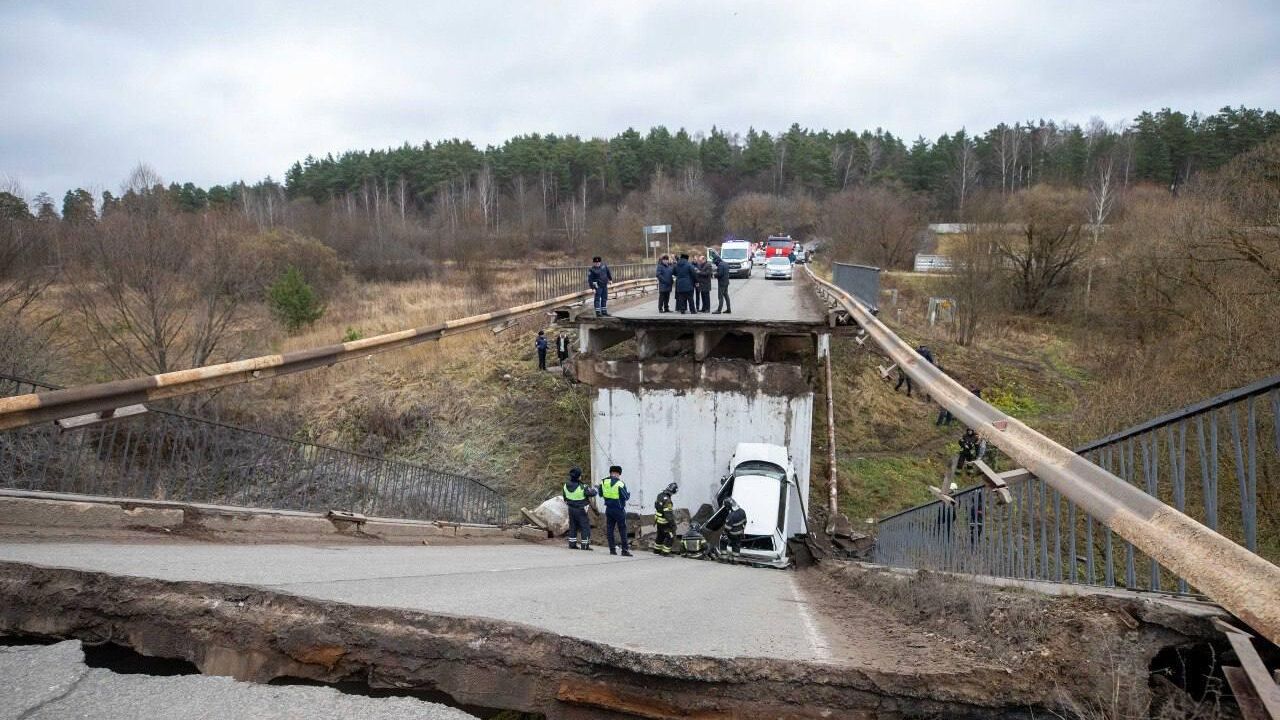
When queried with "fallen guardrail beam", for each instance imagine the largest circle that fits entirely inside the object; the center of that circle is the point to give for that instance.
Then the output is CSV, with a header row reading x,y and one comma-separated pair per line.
x,y
22,410
1244,583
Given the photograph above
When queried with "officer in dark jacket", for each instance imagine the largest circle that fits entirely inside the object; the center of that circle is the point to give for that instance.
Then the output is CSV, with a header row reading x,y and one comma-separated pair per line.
x,y
705,272
575,496
616,495
666,279
684,274
735,525
598,279
722,286
664,516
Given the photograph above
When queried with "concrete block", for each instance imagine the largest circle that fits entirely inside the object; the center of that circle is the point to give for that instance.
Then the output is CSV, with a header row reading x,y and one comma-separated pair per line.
x,y
86,515
265,524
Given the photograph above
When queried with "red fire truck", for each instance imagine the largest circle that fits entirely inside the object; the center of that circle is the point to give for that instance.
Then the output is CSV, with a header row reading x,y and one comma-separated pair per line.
x,y
779,245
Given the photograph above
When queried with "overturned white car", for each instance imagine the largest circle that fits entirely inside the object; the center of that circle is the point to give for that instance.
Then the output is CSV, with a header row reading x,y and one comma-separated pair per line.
x,y
763,482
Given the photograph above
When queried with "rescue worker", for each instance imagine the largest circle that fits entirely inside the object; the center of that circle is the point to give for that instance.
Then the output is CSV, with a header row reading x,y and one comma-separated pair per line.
x,y
666,280
664,516
575,496
598,279
722,287
684,274
971,447
735,525
616,495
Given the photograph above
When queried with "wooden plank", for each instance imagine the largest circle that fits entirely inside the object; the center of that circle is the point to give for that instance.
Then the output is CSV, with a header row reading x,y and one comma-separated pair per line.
x,y
996,481
1251,707
1251,663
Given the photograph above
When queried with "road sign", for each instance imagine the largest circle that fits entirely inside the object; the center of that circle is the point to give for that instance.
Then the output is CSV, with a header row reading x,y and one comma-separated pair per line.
x,y
656,229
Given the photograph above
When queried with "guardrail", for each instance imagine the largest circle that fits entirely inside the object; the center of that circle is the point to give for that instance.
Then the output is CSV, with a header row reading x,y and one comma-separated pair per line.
x,y
552,281
166,455
1242,582
41,406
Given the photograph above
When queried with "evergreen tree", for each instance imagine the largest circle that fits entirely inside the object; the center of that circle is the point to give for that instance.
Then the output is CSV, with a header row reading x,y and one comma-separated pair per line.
x,y
293,302
13,207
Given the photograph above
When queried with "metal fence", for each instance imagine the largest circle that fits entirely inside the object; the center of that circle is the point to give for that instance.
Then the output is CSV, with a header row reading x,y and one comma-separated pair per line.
x,y
555,281
166,455
931,263
1215,460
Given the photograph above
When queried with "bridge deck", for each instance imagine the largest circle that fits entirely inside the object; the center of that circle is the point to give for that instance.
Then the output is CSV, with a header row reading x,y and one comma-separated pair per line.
x,y
756,301
647,603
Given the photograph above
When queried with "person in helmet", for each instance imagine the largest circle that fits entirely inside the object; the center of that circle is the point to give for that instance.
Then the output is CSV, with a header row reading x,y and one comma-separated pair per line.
x,y
664,516
735,526
576,493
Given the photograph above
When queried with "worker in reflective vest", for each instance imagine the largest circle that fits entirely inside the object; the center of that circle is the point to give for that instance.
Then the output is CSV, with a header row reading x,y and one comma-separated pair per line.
x,y
664,516
616,495
575,497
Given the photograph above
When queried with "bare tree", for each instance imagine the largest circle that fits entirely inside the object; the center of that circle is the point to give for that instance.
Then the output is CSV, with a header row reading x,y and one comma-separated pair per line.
x,y
752,215
26,333
1102,200
1047,245
974,280
159,292
875,225
964,168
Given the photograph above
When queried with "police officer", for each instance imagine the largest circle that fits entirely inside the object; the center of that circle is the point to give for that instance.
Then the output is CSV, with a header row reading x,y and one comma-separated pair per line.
x,y
664,516
735,525
616,495
575,496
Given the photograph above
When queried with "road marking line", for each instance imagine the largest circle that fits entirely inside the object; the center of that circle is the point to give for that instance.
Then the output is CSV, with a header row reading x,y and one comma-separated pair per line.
x,y
820,648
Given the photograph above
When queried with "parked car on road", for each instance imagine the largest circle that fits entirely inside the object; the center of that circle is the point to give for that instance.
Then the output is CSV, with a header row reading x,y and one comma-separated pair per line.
x,y
800,254
777,268
759,258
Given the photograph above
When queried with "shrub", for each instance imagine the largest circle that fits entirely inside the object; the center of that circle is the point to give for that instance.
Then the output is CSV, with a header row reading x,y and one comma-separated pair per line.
x,y
293,302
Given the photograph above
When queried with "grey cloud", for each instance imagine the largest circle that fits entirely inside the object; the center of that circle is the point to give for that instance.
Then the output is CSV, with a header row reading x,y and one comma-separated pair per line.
x,y
213,92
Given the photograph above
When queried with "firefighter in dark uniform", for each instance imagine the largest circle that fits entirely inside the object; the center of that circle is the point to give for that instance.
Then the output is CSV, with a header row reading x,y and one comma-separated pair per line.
x,y
616,495
664,516
735,525
575,496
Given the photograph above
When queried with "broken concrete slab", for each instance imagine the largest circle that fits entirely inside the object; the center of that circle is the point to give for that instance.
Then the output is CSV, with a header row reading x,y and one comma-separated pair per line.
x,y
33,675
52,682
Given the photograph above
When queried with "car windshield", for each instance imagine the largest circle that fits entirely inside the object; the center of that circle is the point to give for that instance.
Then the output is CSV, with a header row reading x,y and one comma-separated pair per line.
x,y
733,253
779,260
779,243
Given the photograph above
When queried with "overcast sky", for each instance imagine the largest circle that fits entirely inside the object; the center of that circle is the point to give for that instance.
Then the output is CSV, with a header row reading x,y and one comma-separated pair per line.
x,y
217,91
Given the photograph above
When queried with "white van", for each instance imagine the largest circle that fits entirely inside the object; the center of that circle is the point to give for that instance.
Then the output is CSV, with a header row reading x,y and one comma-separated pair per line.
x,y
738,255
763,482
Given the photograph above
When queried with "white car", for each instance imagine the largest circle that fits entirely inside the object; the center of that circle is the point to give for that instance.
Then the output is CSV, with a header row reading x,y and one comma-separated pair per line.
x,y
801,255
759,258
762,481
777,268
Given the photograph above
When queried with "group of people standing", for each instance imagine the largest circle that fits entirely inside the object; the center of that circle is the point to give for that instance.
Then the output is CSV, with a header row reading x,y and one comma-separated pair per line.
x,y
691,281
577,496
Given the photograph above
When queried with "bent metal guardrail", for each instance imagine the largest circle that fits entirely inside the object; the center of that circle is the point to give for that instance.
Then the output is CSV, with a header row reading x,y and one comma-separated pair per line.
x,y
1242,582
165,455
37,407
